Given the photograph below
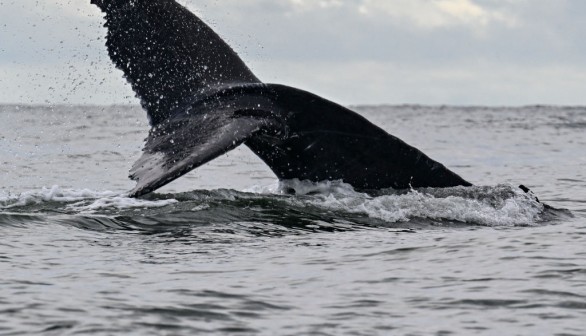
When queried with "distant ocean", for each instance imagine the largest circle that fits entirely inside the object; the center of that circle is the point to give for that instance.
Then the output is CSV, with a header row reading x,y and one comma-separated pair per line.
x,y
224,251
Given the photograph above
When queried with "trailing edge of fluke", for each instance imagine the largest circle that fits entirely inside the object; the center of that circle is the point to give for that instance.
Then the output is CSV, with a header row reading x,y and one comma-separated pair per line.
x,y
203,101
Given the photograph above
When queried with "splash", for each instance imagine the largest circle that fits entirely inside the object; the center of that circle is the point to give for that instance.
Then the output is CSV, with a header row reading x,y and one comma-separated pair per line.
x,y
502,205
46,195
82,201
297,201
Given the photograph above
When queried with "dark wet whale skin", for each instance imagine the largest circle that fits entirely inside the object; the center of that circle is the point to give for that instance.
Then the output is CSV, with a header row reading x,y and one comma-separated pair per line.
x,y
203,101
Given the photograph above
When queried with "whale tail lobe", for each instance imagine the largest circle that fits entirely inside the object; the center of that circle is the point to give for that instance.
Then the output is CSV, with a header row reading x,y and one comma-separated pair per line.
x,y
168,54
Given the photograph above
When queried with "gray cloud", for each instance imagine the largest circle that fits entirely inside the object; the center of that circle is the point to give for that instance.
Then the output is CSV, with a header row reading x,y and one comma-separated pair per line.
x,y
543,31
355,51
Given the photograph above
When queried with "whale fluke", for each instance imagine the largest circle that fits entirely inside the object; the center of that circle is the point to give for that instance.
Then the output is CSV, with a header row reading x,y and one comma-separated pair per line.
x,y
203,101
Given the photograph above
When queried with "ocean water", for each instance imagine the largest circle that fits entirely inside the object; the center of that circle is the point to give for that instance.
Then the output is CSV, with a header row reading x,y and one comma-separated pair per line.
x,y
225,251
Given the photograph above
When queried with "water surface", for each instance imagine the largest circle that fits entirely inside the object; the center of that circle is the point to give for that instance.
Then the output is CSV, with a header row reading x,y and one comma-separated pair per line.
x,y
225,251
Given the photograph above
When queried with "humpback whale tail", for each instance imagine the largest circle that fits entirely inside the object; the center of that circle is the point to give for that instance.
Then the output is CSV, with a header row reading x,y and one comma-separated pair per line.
x,y
202,101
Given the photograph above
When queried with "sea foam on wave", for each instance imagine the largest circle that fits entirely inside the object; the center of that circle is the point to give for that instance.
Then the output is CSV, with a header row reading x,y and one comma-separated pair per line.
x,y
53,194
83,200
501,205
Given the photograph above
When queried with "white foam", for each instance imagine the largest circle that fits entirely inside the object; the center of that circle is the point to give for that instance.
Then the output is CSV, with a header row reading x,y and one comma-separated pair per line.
x,y
311,188
272,188
491,206
53,194
298,187
119,202
86,200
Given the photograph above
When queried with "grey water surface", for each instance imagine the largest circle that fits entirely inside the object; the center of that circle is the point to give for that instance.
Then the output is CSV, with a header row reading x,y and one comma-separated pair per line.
x,y
225,251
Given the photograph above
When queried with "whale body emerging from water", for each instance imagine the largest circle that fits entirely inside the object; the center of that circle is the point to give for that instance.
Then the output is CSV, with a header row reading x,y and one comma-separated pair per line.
x,y
203,101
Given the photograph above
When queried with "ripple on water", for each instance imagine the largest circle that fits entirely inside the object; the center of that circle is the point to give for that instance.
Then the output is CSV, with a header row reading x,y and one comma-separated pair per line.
x,y
227,262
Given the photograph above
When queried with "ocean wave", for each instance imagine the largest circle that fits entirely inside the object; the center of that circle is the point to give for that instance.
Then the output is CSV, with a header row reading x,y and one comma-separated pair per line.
x,y
295,203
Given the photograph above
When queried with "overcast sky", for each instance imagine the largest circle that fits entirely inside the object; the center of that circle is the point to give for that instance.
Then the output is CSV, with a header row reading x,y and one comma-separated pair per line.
x,y
479,52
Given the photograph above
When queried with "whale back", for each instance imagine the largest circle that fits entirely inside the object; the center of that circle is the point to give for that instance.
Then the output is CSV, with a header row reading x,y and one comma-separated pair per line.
x,y
167,53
